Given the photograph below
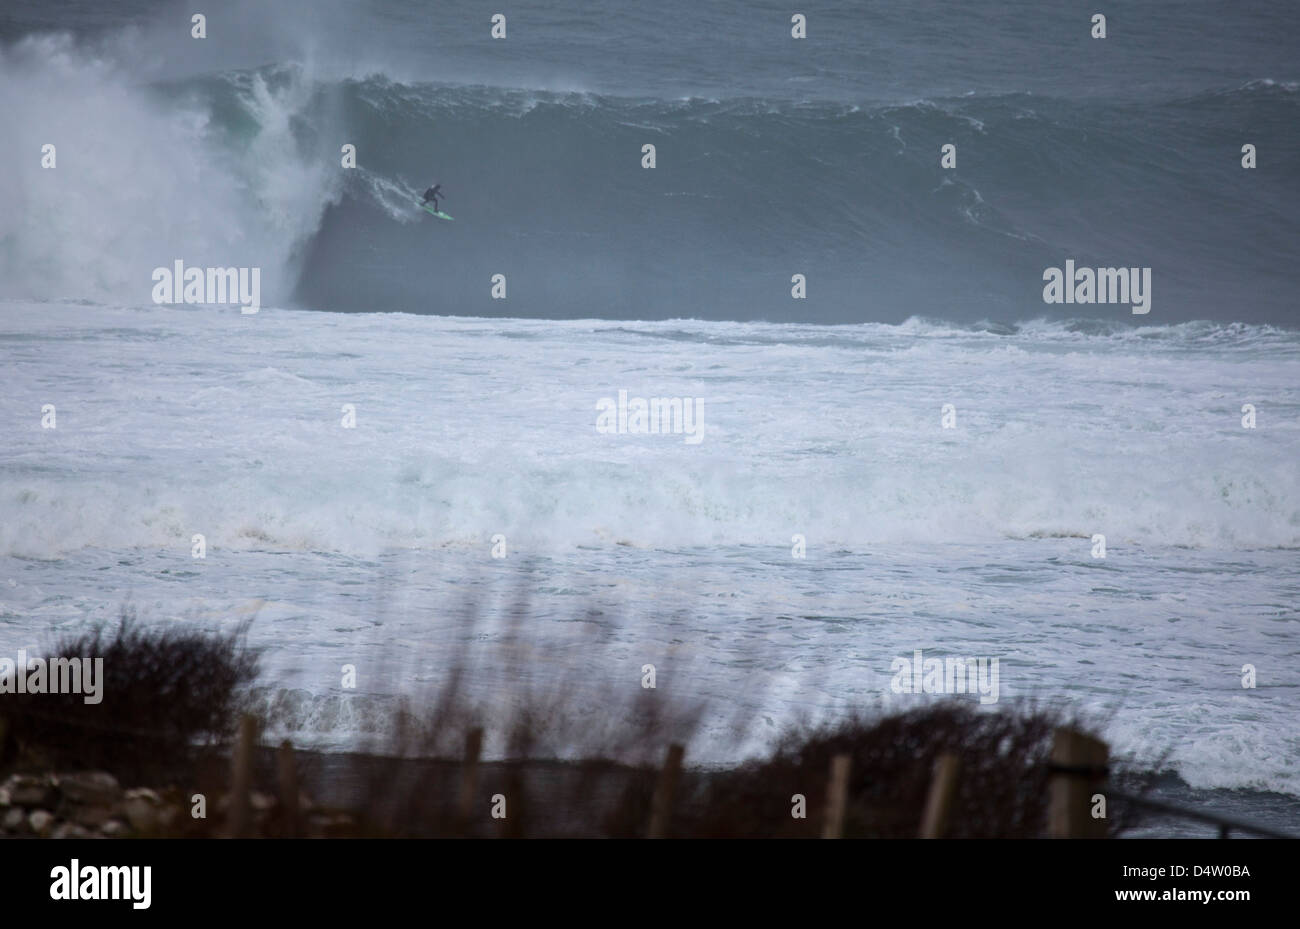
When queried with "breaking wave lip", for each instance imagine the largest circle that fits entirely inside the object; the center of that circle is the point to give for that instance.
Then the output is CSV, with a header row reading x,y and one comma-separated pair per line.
x,y
231,182
41,529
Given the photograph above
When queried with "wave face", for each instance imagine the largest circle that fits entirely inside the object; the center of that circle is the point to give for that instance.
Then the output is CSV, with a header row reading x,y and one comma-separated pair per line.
x,y
549,191
241,168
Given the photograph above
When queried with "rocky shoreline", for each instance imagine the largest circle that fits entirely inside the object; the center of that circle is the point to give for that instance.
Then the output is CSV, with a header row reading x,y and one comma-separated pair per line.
x,y
92,804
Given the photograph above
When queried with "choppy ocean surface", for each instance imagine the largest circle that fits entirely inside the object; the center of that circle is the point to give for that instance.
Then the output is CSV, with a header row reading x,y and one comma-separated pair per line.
x,y
363,545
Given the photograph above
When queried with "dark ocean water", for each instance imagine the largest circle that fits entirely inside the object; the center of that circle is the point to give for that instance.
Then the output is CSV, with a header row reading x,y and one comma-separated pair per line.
x,y
775,156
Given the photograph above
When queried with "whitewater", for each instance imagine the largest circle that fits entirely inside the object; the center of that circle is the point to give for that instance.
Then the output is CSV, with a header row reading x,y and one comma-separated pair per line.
x,y
363,545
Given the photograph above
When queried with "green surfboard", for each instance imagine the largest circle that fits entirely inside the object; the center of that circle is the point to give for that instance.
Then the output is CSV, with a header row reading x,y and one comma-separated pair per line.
x,y
437,213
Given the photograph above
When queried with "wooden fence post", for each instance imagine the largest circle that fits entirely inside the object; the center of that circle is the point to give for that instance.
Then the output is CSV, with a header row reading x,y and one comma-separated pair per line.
x,y
241,777
661,807
1078,770
943,785
837,795
469,780
288,790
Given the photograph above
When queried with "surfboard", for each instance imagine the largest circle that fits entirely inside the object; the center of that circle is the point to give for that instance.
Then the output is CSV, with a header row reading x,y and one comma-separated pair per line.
x,y
437,213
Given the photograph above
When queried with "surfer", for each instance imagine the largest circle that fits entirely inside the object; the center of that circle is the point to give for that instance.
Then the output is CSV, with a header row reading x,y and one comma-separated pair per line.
x,y
433,193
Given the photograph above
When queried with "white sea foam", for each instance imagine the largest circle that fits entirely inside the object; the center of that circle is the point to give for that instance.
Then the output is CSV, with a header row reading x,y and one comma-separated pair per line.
x,y
351,545
174,422
141,182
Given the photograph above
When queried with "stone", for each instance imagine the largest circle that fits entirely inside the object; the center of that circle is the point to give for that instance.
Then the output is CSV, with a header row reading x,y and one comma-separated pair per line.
x,y
90,787
14,820
40,821
142,812
115,829
91,816
26,790
167,815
